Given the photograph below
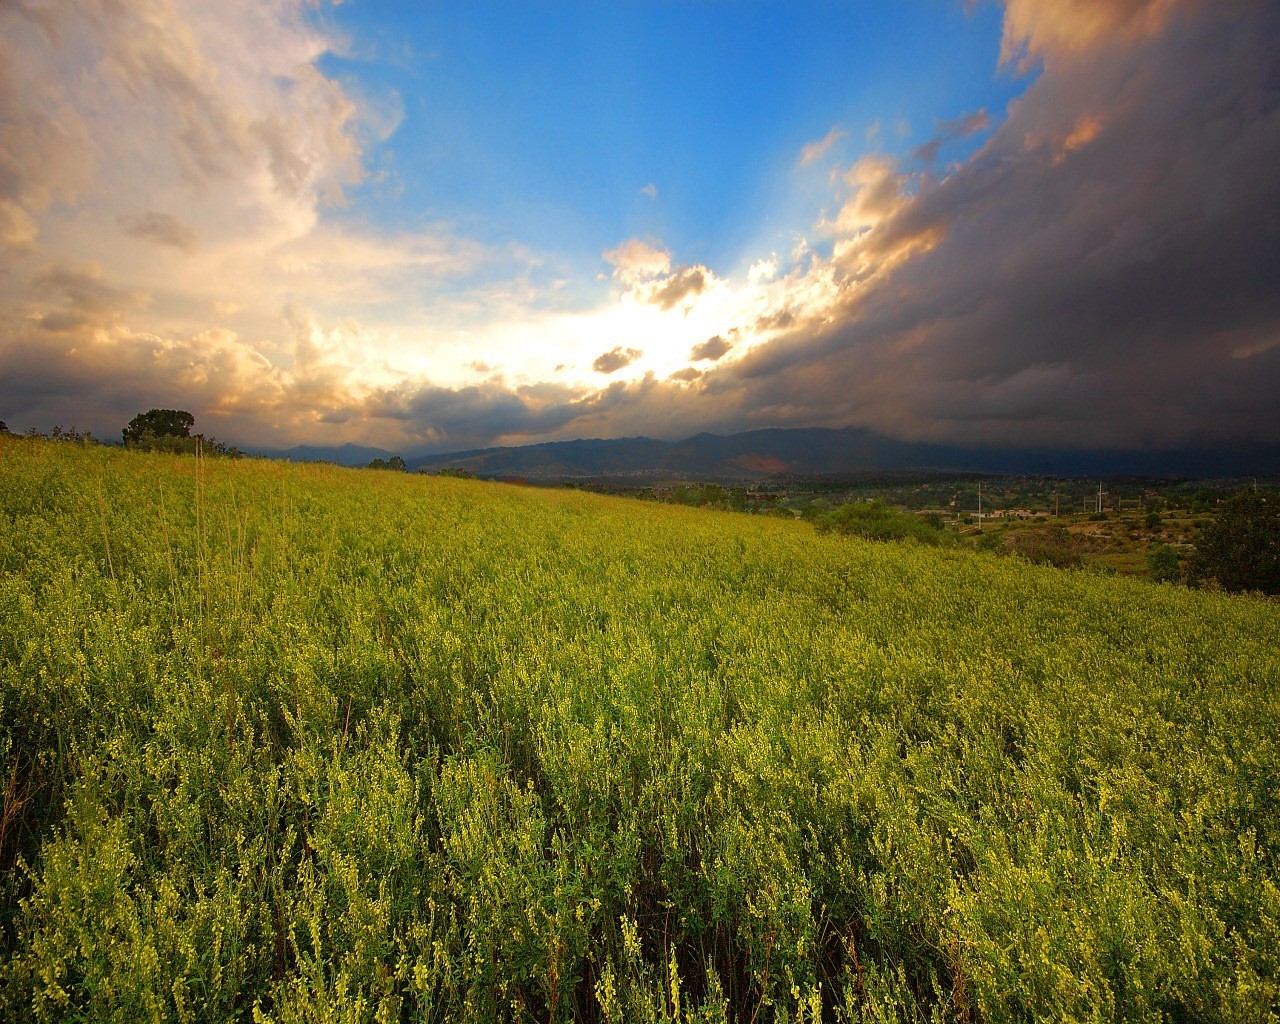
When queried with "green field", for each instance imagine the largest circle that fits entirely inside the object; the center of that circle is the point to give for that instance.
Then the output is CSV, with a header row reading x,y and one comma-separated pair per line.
x,y
296,743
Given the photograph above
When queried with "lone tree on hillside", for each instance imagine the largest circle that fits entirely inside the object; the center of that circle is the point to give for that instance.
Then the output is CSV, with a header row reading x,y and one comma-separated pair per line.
x,y
1241,547
169,430
156,423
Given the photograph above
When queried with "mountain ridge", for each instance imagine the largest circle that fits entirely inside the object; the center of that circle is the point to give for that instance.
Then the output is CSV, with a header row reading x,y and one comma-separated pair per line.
x,y
772,451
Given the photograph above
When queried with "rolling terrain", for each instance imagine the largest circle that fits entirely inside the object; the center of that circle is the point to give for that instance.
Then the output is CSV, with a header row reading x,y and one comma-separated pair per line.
x,y
297,743
760,454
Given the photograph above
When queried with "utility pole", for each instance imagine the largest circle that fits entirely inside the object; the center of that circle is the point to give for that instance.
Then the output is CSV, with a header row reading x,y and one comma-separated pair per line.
x,y
1099,497
979,506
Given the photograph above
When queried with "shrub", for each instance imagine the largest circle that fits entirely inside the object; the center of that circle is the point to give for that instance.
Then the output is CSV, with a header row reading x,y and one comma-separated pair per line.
x,y
873,520
1240,548
1052,545
1164,565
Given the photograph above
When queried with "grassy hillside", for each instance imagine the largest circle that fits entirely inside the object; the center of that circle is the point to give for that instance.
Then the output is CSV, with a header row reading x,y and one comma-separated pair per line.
x,y
297,743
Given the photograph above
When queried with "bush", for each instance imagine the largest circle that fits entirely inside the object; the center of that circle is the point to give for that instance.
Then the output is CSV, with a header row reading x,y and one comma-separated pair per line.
x,y
873,520
1164,565
1053,545
1240,548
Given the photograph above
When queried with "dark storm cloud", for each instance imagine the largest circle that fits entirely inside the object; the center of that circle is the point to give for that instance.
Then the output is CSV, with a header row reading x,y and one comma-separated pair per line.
x,y
446,419
1103,271
615,359
473,416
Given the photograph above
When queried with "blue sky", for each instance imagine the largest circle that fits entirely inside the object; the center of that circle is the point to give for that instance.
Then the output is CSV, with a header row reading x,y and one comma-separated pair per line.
x,y
435,226
542,124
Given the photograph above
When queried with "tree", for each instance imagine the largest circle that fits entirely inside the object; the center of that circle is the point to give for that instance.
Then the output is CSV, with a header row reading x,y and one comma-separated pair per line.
x,y
1240,548
158,423
169,430
1164,565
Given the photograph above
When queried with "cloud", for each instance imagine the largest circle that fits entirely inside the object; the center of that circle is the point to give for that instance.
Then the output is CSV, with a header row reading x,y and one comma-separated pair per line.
x,y
878,192
1071,29
163,228
243,149
615,359
1100,272
17,226
1088,277
711,349
780,320
951,131
685,282
763,271
650,190
635,261
84,301
815,151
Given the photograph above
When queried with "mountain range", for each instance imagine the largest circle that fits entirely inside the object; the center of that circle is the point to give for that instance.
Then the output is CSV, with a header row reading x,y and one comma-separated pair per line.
x,y
341,455
760,454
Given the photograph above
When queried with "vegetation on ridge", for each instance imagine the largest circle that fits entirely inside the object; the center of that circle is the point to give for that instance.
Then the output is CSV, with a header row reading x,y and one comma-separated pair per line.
x,y
296,743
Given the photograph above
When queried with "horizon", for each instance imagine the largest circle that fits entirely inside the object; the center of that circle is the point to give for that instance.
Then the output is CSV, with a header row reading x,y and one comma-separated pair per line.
x,y
1014,225
1190,464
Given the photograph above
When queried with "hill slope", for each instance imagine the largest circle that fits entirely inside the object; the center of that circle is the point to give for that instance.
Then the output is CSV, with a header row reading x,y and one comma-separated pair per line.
x,y
339,745
757,454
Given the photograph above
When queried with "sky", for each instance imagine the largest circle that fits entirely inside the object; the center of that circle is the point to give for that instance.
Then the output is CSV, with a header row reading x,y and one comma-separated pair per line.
x,y
437,226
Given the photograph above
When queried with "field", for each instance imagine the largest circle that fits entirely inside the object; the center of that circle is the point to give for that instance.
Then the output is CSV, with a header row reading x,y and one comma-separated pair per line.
x,y
296,743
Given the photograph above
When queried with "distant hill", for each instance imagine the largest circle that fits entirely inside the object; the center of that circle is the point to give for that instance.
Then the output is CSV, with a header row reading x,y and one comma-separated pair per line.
x,y
751,455
340,455
760,454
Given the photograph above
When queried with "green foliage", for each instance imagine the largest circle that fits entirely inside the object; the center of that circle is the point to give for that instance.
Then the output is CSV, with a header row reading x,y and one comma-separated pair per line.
x,y
157,423
1047,545
873,520
296,743
395,462
169,430
1240,548
708,496
1164,564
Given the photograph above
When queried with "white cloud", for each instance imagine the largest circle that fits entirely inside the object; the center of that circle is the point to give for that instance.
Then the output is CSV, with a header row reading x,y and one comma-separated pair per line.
x,y
1066,29
815,151
635,260
763,271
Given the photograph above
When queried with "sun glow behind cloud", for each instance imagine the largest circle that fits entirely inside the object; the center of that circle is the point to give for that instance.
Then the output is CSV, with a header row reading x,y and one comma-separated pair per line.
x,y
183,227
